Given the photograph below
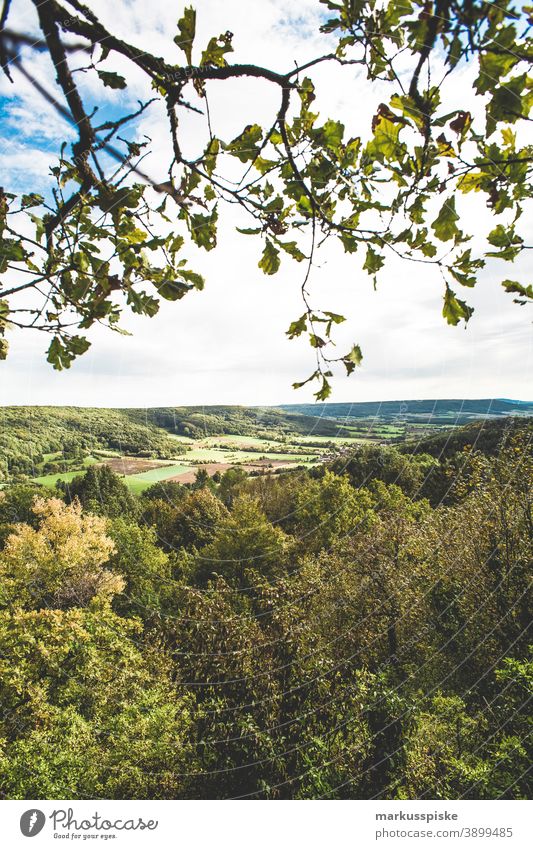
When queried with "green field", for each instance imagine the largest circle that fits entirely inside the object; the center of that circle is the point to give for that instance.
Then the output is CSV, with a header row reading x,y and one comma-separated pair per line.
x,y
208,455
54,455
231,439
290,451
50,480
141,481
324,440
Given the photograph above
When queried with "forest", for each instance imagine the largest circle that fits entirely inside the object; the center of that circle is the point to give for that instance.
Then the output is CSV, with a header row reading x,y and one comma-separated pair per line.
x,y
354,629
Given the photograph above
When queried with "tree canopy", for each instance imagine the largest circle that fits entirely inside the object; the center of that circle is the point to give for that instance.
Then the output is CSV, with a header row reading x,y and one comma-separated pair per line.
x,y
318,638
106,236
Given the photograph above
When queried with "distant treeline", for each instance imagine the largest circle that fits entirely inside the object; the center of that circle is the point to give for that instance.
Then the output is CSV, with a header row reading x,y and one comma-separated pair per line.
x,y
435,411
196,422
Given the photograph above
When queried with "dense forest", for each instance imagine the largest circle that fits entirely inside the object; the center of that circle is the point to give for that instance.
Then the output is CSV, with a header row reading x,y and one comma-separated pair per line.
x,y
342,632
29,434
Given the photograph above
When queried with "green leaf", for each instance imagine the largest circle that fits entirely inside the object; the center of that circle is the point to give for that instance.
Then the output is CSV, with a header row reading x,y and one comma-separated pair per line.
x,y
292,249
509,102
525,292
210,156
386,143
462,278
214,53
471,182
330,135
334,317
269,261
265,165
173,290
203,229
175,243
454,309
249,231
194,278
325,390
350,243
493,66
507,240
373,261
244,147
112,80
445,224
31,200
500,236
428,249
296,328
187,31
62,352
113,200
306,90
316,341
142,303
11,250
353,359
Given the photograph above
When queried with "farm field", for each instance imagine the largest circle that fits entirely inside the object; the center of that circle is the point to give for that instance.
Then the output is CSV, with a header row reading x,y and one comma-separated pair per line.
x,y
50,480
312,440
137,483
213,460
212,454
135,465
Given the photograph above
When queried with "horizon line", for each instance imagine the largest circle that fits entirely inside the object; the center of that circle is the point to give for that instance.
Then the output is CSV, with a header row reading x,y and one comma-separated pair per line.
x,y
267,406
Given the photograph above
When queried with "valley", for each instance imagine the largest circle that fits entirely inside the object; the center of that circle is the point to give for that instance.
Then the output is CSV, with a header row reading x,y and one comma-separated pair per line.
x,y
146,446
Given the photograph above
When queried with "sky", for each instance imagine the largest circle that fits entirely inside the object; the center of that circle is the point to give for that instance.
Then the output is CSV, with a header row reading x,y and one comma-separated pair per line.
x,y
227,344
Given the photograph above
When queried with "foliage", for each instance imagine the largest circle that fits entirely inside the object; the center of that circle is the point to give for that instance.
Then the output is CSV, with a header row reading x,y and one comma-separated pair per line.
x,y
145,569
196,520
326,510
85,712
295,636
101,491
17,506
61,563
369,463
41,440
244,546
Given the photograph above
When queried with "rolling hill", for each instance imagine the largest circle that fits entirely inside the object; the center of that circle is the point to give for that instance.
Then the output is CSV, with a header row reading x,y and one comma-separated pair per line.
x,y
453,411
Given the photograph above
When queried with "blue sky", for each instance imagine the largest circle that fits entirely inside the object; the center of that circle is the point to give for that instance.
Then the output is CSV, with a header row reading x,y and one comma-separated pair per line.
x,y
227,344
